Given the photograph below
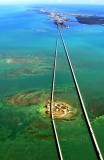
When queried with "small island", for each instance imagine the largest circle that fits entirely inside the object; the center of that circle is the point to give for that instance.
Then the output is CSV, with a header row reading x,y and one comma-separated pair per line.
x,y
61,110
89,19
56,18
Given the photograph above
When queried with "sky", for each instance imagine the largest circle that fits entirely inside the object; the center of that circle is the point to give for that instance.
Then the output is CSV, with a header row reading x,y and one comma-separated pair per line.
x,y
52,1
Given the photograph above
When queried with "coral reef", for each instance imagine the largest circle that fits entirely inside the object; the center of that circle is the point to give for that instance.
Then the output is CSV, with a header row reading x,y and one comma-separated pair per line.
x,y
23,99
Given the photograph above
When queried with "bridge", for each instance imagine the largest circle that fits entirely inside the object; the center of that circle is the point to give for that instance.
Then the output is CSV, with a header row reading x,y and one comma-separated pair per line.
x,y
87,120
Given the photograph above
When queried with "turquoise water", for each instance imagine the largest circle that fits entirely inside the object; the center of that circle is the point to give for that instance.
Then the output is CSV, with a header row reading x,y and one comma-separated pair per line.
x,y
27,45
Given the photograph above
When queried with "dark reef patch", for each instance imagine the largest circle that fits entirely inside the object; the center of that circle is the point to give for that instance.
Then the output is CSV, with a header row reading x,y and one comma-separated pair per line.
x,y
97,107
27,98
40,129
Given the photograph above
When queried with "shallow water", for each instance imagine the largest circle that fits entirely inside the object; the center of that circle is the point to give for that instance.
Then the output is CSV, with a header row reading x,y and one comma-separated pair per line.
x,y
27,48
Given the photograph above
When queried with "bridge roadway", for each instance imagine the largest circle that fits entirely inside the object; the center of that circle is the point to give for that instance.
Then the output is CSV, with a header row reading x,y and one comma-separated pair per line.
x,y
88,124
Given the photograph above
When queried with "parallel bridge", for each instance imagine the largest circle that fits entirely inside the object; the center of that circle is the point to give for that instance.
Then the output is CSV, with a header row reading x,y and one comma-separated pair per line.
x,y
88,124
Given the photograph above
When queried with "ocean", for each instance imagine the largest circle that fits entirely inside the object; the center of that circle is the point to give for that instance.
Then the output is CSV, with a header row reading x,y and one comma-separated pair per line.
x,y
27,49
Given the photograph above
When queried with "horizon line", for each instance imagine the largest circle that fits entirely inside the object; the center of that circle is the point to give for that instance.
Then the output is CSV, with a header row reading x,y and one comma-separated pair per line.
x,y
29,3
